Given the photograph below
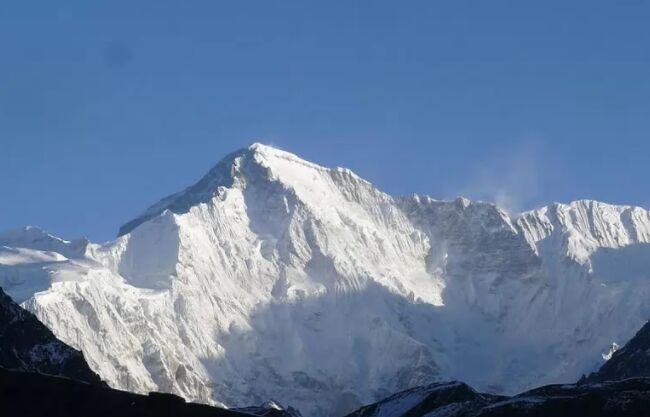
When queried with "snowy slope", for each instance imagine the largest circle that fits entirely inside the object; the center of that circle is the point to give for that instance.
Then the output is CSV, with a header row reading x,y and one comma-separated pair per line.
x,y
273,277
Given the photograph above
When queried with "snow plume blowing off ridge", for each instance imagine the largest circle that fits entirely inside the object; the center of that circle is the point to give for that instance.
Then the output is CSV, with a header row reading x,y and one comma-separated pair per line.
x,y
275,278
512,179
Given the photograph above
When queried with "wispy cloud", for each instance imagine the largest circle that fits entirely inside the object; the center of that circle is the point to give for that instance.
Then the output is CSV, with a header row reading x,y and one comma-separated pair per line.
x,y
510,178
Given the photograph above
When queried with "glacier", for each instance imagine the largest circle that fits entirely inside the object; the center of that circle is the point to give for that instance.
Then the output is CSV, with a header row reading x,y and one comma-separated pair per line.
x,y
273,277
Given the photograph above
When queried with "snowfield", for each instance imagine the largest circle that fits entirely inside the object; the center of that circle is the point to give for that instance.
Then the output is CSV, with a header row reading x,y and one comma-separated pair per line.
x,y
275,278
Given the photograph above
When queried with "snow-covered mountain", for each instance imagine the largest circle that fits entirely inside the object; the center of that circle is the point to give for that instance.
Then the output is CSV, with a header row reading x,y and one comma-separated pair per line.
x,y
273,277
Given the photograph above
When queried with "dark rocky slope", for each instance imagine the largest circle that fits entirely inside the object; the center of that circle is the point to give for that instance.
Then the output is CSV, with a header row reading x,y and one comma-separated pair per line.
x,y
633,360
28,394
28,345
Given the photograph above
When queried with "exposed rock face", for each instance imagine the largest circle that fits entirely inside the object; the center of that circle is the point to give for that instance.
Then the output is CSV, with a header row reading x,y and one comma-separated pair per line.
x,y
273,277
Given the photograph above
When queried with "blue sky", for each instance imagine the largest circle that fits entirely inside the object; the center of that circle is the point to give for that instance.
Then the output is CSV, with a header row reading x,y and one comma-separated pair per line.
x,y
105,107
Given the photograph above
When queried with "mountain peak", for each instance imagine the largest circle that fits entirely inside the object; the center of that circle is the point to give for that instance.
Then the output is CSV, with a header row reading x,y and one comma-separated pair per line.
x,y
260,147
250,163
256,164
271,157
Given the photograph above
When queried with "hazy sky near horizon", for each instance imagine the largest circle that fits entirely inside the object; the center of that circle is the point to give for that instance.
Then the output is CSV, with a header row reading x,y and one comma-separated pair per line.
x,y
106,107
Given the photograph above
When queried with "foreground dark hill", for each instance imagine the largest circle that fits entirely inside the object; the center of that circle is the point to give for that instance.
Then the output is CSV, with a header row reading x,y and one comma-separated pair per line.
x,y
27,345
452,397
28,394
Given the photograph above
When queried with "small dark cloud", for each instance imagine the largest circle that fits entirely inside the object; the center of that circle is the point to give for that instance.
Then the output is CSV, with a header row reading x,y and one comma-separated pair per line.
x,y
118,54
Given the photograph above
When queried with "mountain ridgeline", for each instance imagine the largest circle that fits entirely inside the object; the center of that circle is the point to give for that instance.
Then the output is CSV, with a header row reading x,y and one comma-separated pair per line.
x,y
273,277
